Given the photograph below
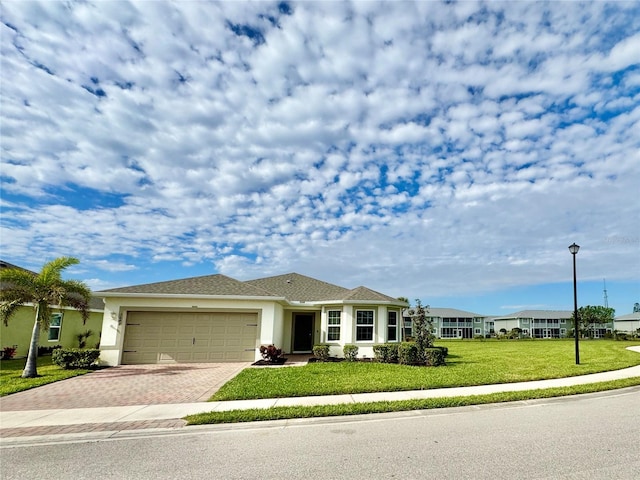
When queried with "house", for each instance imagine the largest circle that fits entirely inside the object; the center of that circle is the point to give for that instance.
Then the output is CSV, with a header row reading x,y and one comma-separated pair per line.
x,y
65,325
629,323
216,318
453,323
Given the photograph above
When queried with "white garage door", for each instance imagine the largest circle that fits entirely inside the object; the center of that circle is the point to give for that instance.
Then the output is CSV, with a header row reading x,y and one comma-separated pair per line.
x,y
174,337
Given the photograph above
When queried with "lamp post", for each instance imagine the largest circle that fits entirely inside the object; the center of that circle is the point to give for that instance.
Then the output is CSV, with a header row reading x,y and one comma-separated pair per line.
x,y
573,248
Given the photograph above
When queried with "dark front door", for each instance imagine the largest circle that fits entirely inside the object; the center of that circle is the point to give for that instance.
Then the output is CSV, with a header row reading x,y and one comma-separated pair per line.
x,y
302,332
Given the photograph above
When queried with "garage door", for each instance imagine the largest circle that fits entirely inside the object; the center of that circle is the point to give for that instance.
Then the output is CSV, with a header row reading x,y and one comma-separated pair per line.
x,y
170,337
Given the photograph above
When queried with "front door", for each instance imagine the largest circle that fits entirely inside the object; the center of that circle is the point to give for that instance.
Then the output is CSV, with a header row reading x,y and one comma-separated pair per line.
x,y
302,332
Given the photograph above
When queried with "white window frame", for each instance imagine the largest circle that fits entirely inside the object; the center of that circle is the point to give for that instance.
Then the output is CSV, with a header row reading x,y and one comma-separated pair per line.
x,y
477,320
563,321
478,331
53,327
395,326
366,326
332,327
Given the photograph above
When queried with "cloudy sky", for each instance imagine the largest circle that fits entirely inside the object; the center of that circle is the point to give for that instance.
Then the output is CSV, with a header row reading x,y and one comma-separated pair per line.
x,y
444,151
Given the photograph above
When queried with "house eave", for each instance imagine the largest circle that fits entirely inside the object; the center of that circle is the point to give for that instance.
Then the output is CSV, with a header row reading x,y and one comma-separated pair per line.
x,y
188,296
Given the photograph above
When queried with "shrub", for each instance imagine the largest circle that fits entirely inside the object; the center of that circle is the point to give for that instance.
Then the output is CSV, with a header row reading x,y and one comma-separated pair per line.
x,y
321,352
350,352
386,353
621,336
408,353
7,353
72,358
434,357
42,350
445,350
271,353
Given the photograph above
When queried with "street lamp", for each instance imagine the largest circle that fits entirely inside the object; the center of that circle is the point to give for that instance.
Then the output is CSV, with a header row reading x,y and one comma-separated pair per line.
x,y
573,248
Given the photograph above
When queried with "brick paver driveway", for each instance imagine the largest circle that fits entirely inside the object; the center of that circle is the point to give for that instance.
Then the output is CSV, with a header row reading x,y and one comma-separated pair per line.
x,y
128,385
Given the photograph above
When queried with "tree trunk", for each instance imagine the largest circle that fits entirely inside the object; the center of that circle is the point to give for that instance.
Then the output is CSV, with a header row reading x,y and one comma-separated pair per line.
x,y
30,369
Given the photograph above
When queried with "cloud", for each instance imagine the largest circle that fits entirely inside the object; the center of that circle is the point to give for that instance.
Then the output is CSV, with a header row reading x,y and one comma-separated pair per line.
x,y
416,148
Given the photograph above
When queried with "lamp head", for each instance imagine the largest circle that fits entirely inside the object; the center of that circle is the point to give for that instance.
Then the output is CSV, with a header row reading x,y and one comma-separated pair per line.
x,y
573,248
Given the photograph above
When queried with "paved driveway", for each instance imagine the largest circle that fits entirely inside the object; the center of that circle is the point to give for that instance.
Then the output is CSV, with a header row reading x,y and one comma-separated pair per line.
x,y
128,385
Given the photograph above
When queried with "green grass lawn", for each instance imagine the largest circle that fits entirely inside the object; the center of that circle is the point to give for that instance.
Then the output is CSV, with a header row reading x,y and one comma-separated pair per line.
x,y
10,371
468,363
279,413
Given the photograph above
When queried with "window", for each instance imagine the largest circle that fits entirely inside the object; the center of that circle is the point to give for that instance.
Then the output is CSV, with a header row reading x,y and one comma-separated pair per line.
x,y
364,325
563,321
54,327
525,321
408,328
477,320
392,327
333,328
525,332
563,332
478,331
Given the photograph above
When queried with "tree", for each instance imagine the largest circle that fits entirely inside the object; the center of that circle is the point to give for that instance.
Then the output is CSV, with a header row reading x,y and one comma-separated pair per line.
x,y
636,307
422,327
44,290
593,315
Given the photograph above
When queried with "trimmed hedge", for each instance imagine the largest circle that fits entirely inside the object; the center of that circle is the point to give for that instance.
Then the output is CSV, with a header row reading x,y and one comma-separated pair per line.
x,y
386,353
72,358
321,352
350,352
434,357
408,354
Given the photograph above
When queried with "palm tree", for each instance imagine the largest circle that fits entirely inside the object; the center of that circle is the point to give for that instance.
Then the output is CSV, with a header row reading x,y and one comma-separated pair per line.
x,y
43,290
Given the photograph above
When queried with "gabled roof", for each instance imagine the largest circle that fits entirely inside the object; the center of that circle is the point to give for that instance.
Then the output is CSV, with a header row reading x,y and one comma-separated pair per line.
x,y
628,317
364,294
206,285
299,288
541,314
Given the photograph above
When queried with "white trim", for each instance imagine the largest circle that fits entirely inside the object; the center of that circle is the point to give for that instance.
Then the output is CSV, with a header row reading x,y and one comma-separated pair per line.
x,y
372,325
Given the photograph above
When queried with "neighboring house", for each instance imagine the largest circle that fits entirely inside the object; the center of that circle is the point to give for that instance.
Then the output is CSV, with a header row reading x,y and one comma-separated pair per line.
x,y
629,323
216,318
65,325
452,323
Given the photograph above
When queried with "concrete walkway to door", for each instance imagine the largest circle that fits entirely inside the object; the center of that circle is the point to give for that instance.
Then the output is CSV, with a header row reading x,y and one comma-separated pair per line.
x,y
128,385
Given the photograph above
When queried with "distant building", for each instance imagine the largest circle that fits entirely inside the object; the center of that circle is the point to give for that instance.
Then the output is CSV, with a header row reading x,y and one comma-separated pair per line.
x,y
453,323
629,323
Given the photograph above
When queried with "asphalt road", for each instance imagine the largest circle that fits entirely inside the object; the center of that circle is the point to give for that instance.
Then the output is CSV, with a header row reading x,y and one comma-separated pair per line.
x,y
594,436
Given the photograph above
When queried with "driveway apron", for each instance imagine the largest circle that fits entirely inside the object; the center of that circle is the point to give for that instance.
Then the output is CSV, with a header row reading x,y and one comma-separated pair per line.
x,y
128,385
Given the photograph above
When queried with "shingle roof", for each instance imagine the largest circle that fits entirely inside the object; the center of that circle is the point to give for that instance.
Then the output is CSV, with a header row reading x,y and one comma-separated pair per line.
x,y
206,285
541,314
299,288
292,286
366,294
628,316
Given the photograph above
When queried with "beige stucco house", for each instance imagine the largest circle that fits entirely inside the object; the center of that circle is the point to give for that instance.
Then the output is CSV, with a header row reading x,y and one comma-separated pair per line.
x,y
216,318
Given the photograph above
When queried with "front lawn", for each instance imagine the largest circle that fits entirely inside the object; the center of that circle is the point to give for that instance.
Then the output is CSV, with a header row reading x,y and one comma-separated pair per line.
x,y
468,363
12,382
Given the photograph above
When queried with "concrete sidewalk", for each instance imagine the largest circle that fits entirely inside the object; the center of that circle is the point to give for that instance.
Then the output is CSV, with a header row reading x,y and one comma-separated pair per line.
x,y
29,423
